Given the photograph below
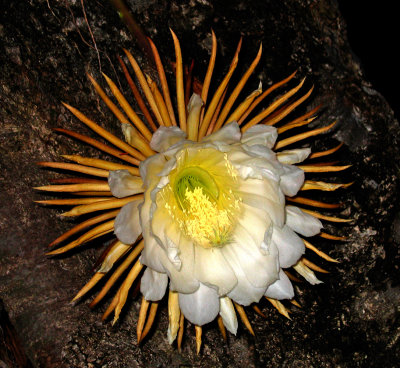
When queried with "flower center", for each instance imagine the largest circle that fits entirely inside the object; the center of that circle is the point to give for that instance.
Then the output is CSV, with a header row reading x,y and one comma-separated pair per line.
x,y
205,223
191,178
201,196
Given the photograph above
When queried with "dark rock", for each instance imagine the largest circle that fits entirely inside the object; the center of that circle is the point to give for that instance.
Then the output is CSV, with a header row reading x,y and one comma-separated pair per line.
x,y
352,320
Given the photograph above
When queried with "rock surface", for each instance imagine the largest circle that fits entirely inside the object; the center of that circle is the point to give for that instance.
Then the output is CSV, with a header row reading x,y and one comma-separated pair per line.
x,y
351,320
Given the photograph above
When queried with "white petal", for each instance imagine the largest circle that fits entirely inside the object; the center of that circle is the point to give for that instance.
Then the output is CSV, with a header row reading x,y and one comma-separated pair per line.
x,y
183,280
165,137
228,134
302,222
153,255
164,228
281,288
200,307
261,270
127,226
123,184
213,270
265,195
228,314
173,254
262,162
256,223
308,274
289,244
260,134
150,168
244,292
153,284
292,180
293,156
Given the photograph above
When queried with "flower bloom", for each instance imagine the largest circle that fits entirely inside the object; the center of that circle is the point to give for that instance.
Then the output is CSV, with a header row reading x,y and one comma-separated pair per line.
x,y
202,199
214,219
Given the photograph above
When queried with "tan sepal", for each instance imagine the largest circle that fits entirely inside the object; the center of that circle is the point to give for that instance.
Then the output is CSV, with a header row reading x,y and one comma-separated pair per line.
x,y
150,320
96,232
142,318
326,218
321,185
92,282
102,164
123,294
278,102
180,332
84,225
209,73
279,307
77,168
163,81
101,146
75,187
244,318
302,136
117,273
104,133
235,93
221,327
323,169
317,251
180,92
199,331
101,206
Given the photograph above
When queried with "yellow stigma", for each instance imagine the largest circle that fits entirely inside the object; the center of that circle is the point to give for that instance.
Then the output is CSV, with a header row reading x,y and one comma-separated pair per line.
x,y
205,223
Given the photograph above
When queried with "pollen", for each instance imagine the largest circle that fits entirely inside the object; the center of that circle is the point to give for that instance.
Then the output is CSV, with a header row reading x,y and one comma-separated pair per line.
x,y
205,223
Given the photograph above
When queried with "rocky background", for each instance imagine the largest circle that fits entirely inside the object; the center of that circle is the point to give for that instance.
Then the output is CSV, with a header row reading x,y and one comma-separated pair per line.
x,y
47,46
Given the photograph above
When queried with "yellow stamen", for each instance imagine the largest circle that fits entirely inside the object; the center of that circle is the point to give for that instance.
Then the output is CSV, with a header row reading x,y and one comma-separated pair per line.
x,y
206,223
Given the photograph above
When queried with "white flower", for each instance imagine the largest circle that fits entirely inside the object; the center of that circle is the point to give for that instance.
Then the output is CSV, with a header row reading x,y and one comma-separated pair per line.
x,y
214,219
206,213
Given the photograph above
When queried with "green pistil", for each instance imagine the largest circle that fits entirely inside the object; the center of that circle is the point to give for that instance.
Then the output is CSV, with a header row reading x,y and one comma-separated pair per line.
x,y
191,178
